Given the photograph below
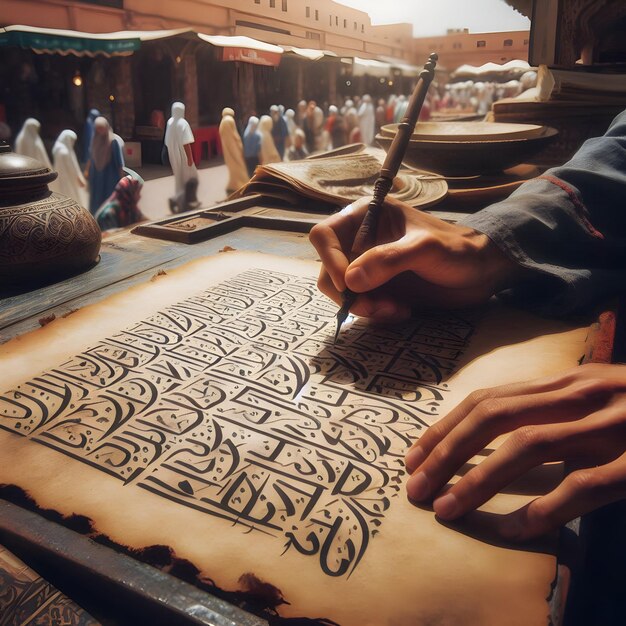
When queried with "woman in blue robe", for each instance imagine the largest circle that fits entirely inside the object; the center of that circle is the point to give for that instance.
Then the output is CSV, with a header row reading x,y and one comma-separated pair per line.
x,y
105,164
88,134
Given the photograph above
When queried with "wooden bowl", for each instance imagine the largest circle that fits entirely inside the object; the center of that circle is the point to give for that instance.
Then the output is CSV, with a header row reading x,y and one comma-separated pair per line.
x,y
470,158
468,131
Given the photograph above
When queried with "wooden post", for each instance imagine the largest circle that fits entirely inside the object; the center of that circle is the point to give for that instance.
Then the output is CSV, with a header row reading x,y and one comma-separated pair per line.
x,y
189,70
124,104
300,82
245,94
332,82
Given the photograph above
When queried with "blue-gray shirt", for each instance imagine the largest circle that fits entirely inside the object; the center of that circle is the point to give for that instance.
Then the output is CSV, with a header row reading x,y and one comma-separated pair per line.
x,y
568,227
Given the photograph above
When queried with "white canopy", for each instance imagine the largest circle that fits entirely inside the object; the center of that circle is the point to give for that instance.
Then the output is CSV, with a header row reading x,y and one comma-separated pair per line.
x,y
240,41
516,66
310,54
369,67
406,68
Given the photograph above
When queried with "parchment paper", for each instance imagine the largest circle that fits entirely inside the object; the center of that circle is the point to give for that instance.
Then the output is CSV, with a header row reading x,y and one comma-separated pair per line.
x,y
209,411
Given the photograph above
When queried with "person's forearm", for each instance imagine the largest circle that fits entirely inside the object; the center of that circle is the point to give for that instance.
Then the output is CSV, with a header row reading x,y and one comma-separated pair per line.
x,y
567,228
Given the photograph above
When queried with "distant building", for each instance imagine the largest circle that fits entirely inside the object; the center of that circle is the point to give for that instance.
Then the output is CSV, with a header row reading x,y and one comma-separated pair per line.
x,y
458,47
320,24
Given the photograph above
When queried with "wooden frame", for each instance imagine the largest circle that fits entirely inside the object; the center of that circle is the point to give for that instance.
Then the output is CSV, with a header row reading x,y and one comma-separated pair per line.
x,y
205,224
544,32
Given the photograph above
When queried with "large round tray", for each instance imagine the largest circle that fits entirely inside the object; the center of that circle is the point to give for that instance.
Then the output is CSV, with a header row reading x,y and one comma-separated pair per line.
x,y
470,158
469,131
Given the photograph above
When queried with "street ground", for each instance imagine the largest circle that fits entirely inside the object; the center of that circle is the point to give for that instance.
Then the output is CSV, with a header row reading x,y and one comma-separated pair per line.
x,y
159,186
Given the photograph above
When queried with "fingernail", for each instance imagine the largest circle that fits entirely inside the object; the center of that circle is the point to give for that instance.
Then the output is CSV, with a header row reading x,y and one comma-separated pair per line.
x,y
357,279
446,506
414,459
417,486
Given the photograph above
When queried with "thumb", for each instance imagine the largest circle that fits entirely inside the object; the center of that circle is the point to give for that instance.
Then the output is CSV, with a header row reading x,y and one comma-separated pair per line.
x,y
377,266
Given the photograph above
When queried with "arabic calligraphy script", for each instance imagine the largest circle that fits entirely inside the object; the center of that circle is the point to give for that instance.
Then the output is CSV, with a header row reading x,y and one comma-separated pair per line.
x,y
235,402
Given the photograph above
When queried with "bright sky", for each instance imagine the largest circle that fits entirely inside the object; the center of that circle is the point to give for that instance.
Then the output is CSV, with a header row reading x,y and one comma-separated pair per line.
x,y
434,17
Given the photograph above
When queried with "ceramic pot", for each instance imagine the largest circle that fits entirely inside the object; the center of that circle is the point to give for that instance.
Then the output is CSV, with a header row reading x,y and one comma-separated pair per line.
x,y
44,236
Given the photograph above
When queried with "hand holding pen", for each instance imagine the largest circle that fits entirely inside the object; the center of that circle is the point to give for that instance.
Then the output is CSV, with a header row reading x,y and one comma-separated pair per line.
x,y
366,234
416,261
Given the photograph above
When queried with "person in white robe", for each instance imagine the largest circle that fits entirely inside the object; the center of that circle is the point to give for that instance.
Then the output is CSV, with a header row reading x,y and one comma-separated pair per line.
x,y
353,131
300,113
290,116
367,120
178,140
269,153
232,147
402,103
70,181
318,126
28,142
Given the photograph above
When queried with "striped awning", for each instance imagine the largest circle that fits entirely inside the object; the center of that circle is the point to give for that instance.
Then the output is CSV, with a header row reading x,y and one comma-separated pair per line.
x,y
232,48
57,41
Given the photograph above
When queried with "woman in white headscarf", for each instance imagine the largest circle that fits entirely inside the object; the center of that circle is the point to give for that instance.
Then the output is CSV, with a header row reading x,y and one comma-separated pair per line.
x,y
367,120
300,113
269,153
353,131
290,116
232,147
29,143
105,164
252,144
70,181
402,104
178,140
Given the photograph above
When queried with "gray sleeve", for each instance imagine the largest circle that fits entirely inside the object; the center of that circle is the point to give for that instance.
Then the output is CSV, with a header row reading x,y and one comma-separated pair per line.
x,y
568,227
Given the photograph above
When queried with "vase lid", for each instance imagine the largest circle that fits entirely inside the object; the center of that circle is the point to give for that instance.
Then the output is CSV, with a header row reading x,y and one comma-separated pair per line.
x,y
18,172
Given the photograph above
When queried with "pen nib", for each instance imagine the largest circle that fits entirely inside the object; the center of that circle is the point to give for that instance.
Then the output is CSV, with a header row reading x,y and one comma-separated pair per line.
x,y
348,297
342,315
339,323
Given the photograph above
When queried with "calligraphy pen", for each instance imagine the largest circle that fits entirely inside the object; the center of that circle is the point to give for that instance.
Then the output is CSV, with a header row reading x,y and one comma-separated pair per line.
x,y
366,235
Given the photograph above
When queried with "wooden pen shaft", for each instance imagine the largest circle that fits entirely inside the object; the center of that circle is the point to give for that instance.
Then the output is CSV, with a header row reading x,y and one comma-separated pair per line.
x,y
366,235
401,139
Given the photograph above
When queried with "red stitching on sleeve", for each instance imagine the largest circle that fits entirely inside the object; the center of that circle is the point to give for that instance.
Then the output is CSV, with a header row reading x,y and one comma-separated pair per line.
x,y
578,205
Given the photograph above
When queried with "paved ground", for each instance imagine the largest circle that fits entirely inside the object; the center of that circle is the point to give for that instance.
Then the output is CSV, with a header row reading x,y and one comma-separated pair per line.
x,y
159,186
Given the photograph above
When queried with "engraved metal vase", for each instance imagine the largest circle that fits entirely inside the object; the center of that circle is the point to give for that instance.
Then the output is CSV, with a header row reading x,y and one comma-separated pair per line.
x,y
44,236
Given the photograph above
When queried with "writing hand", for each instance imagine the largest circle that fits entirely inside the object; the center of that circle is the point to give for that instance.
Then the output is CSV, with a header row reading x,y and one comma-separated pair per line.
x,y
578,416
417,259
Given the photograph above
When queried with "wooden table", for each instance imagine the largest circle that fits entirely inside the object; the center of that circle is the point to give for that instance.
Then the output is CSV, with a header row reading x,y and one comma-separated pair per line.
x,y
91,573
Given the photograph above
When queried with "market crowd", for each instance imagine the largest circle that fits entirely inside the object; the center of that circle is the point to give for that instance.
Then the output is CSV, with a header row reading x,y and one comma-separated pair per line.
x,y
94,174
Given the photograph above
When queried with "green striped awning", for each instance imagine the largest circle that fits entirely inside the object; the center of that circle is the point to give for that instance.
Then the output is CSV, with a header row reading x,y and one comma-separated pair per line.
x,y
67,42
